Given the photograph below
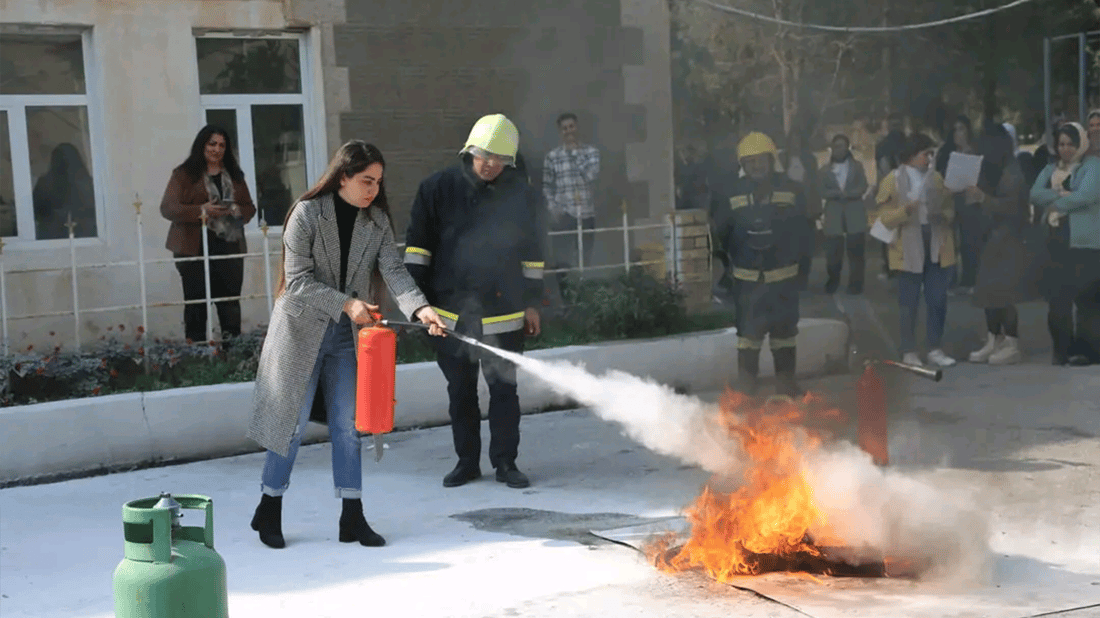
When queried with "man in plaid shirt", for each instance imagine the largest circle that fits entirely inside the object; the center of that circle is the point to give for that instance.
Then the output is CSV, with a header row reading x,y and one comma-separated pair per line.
x,y
568,183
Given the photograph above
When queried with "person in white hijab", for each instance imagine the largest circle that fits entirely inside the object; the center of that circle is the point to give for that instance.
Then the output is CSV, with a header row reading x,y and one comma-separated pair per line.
x,y
1069,192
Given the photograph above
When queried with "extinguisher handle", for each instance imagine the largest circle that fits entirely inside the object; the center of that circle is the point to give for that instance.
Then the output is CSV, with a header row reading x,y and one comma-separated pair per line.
x,y
377,317
396,323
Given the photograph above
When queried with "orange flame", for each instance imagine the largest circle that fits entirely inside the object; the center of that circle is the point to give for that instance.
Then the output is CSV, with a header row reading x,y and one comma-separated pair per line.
x,y
771,522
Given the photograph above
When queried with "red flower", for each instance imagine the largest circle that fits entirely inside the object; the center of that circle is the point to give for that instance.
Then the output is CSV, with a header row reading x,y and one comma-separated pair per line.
x,y
141,330
52,333
156,367
103,363
95,391
114,373
30,347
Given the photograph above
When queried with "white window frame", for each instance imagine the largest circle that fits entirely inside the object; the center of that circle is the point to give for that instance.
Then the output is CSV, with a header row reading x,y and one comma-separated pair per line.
x,y
22,182
242,105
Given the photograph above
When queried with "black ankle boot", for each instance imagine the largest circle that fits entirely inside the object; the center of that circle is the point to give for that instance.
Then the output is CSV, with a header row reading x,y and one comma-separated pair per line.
x,y
748,368
354,527
268,521
785,370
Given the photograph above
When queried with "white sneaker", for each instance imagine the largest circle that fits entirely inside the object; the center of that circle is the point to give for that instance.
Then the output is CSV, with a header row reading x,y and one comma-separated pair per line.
x,y
991,345
1007,354
937,357
911,358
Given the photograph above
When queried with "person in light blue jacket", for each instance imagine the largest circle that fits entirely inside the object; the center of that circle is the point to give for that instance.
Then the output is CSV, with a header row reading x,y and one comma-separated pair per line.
x,y
1068,191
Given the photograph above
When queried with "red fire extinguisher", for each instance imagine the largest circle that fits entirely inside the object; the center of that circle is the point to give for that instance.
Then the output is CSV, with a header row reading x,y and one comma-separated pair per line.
x,y
376,380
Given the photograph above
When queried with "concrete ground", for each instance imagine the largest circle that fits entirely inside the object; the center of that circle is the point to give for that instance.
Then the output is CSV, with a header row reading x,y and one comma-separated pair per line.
x,y
1025,439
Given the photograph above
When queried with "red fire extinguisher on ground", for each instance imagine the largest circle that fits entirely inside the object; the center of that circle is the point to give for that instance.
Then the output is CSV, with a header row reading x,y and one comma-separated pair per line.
x,y
376,382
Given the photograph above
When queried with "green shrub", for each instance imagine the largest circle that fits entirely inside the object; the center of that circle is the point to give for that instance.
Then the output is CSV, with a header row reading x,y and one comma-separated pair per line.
x,y
630,306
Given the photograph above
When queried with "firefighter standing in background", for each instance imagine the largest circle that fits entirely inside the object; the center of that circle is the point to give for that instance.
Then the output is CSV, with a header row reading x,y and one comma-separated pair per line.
x,y
473,248
763,227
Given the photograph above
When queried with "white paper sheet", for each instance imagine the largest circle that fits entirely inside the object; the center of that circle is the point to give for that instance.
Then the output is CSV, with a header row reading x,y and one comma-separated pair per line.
x,y
962,171
882,233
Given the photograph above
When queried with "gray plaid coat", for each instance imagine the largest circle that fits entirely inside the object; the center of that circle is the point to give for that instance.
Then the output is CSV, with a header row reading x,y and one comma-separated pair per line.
x,y
313,298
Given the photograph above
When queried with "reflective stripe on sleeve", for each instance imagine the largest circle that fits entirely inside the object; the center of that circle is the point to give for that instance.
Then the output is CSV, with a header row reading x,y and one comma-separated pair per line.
x,y
533,270
418,256
502,324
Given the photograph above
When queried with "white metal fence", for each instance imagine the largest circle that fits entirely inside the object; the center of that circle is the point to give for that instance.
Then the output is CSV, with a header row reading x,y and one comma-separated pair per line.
x,y
145,303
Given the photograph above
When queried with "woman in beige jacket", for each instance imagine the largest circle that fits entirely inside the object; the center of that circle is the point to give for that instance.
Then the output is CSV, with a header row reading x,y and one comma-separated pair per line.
x,y
913,203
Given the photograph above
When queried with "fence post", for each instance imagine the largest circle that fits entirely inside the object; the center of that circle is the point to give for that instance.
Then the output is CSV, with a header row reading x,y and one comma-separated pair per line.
x,y
76,294
580,245
206,268
626,238
3,300
1082,77
141,277
267,268
673,248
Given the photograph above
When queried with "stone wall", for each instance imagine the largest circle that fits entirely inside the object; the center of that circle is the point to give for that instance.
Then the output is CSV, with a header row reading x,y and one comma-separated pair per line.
x,y
419,74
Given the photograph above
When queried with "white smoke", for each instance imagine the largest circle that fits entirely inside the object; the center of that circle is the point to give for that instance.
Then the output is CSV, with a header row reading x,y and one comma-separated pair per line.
x,y
651,414
875,512
872,512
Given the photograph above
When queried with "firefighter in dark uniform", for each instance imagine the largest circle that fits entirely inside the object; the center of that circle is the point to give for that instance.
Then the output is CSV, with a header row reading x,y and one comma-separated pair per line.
x,y
763,229
473,248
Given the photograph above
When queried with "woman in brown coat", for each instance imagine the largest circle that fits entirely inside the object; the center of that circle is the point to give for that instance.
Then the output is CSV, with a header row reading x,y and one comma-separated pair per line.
x,y
1004,270
209,179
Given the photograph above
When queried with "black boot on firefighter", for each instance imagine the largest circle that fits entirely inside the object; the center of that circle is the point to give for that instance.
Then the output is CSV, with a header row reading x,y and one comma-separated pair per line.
x,y
508,473
354,527
785,365
463,473
268,521
748,368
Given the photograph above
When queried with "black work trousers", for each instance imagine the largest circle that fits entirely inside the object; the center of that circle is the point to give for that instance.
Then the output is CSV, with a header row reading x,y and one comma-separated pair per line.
x,y
1077,282
460,365
226,279
834,260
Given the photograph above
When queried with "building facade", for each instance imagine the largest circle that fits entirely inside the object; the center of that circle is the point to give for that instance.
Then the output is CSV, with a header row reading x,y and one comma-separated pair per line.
x,y
99,101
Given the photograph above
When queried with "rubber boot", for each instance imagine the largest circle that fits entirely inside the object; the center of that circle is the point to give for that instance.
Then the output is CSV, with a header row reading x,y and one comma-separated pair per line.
x,y
268,521
354,527
748,370
785,366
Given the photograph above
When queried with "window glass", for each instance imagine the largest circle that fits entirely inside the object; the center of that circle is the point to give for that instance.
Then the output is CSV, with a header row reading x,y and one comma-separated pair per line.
x,y
7,186
248,66
42,64
279,147
59,148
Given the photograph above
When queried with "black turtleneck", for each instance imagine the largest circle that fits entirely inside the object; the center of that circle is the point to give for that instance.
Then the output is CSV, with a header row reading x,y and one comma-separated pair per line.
x,y
345,223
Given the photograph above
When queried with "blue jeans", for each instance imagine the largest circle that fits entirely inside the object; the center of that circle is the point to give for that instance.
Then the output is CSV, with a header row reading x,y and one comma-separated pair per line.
x,y
335,373
935,280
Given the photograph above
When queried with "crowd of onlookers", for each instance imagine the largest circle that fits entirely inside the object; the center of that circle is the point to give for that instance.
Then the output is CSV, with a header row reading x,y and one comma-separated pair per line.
x,y
1027,229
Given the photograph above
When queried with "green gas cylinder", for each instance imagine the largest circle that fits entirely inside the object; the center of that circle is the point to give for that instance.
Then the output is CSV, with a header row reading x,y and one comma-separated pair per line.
x,y
170,571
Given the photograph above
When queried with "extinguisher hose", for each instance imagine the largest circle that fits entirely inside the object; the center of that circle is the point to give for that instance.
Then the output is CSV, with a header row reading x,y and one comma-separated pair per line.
x,y
451,333
929,374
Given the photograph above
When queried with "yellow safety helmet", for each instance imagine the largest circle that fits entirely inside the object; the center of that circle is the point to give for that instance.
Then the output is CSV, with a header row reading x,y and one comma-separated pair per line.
x,y
756,143
494,134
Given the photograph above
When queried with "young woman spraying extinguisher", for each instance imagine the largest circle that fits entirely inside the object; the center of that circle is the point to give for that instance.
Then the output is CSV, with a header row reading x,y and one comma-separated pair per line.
x,y
338,252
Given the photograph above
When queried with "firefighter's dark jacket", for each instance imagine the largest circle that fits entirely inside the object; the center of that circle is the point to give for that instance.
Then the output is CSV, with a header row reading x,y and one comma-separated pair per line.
x,y
474,247
765,238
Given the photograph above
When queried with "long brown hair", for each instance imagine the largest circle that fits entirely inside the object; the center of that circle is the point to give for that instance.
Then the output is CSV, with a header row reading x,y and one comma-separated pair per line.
x,y
350,159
